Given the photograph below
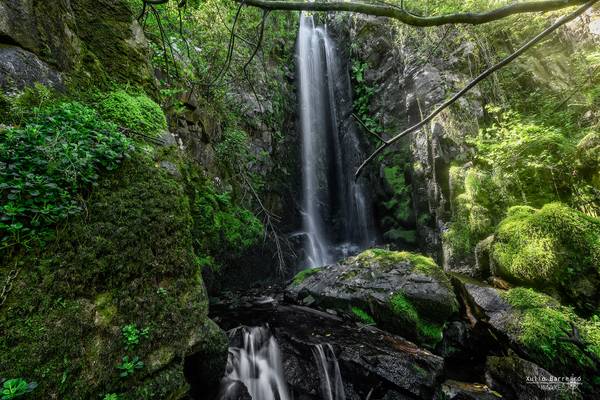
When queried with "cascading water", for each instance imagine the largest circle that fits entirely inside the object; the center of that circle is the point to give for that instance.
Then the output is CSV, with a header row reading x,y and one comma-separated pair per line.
x,y
332,387
337,211
257,364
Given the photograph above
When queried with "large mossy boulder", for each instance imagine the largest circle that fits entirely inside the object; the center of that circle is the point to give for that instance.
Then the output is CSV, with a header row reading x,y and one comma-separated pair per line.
x,y
539,329
119,280
93,41
555,249
404,292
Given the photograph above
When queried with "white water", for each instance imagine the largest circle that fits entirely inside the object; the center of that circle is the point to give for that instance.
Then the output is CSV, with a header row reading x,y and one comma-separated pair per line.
x,y
337,212
332,387
258,365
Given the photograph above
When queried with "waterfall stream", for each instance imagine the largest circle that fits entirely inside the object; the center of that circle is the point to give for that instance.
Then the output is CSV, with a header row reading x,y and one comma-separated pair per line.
x,y
332,387
337,210
257,364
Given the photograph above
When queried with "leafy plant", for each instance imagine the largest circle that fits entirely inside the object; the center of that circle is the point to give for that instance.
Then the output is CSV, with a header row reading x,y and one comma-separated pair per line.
x,y
48,164
128,366
13,388
132,335
111,396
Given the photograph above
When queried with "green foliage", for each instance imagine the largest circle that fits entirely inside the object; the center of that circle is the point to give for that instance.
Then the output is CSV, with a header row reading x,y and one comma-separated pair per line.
x,y
549,248
136,113
132,335
542,325
234,150
111,396
363,94
128,367
363,316
305,273
221,228
518,162
13,388
47,164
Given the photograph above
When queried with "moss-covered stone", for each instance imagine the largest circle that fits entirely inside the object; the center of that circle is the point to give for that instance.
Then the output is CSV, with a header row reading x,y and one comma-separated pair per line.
x,y
403,292
555,248
61,325
302,275
136,113
541,326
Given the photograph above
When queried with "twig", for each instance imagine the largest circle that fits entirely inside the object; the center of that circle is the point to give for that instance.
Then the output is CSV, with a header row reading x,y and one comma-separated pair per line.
x,y
367,129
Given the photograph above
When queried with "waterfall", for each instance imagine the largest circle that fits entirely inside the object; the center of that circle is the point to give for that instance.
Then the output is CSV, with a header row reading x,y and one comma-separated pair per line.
x,y
332,387
257,364
337,210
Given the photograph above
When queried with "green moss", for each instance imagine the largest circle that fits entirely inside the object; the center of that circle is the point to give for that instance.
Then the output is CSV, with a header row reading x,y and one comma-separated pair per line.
x,y
61,320
136,113
305,273
542,325
428,333
387,258
363,316
549,248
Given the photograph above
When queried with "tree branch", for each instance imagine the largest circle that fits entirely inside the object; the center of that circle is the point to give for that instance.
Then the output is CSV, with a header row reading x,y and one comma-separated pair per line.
x,y
563,20
402,15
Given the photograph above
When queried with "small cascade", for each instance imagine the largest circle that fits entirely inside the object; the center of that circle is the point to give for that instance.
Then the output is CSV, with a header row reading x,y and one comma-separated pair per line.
x,y
332,387
257,364
337,210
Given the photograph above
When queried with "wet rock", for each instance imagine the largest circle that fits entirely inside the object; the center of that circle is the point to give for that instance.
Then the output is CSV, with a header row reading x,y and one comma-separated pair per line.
x,y
455,390
402,291
233,390
519,379
20,68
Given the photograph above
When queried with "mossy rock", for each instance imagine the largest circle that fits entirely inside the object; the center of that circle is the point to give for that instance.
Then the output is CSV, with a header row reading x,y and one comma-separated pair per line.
x,y
555,249
536,326
406,293
136,113
128,259
541,325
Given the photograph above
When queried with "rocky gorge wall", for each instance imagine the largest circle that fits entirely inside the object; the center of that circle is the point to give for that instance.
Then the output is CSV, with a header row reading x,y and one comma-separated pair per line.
x,y
400,75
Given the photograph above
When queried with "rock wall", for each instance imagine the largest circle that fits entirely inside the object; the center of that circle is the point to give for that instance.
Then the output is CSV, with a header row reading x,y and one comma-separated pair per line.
x,y
410,75
80,40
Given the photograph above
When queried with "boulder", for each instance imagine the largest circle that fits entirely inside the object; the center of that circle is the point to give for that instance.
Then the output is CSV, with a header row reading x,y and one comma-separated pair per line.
x,y
455,390
403,292
20,68
555,249
539,329
520,379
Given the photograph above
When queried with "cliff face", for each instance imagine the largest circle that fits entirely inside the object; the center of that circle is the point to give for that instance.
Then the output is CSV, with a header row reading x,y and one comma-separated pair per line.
x,y
407,73
83,41
119,283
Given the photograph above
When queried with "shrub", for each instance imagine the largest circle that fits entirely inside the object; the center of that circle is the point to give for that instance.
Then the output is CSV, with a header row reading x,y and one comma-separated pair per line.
x,y
136,113
48,164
